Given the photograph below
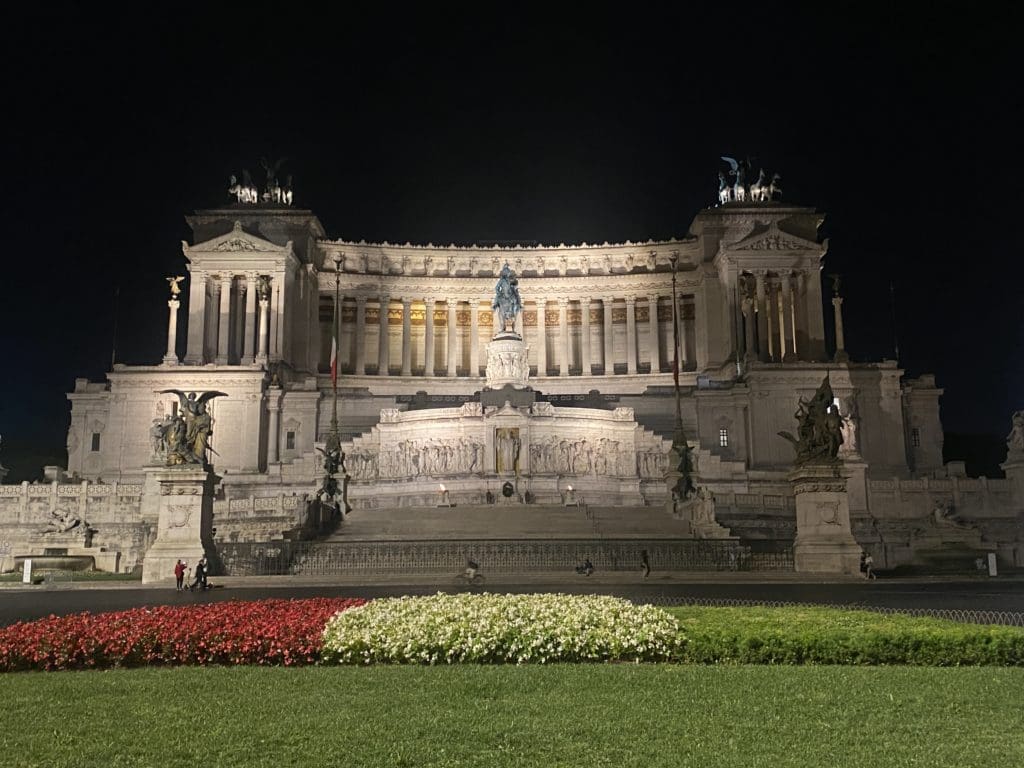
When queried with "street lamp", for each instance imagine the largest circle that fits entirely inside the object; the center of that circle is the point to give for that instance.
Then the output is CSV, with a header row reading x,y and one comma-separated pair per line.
x,y
681,470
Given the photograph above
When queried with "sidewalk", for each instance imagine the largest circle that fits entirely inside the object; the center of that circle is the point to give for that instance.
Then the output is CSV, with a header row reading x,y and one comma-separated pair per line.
x,y
547,579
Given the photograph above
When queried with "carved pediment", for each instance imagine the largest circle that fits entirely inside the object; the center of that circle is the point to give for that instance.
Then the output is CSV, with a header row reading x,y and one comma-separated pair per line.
x,y
773,239
236,241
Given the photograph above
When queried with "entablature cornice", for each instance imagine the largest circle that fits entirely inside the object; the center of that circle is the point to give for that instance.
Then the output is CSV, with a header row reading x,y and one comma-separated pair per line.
x,y
480,288
480,261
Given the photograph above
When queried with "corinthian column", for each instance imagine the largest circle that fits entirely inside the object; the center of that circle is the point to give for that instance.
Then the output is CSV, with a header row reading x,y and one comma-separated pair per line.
x,y
542,338
249,352
261,358
563,333
225,320
360,335
631,334
762,317
171,358
837,309
585,336
428,336
274,430
406,337
383,349
196,318
609,349
787,318
652,329
452,338
474,337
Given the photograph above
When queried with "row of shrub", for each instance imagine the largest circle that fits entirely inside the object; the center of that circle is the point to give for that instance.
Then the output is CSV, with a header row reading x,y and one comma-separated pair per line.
x,y
796,635
275,632
494,629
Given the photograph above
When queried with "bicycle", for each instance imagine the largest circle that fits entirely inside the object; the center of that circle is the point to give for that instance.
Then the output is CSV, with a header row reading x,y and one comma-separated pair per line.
x,y
476,580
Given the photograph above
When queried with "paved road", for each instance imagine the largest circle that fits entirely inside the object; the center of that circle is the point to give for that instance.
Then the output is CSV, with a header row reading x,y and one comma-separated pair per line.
x,y
997,595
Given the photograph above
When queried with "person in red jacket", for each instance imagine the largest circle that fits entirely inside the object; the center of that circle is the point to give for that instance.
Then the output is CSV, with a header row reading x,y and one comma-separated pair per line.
x,y
179,575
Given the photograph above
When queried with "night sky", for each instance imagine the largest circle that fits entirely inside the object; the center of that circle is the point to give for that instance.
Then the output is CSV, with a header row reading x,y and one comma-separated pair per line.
x,y
443,126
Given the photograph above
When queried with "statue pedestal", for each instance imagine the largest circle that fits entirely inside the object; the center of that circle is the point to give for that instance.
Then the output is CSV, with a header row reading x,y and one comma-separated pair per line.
x,y
1014,469
507,363
824,540
184,522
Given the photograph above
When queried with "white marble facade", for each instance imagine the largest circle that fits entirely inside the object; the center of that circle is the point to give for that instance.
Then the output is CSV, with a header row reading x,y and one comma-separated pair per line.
x,y
414,333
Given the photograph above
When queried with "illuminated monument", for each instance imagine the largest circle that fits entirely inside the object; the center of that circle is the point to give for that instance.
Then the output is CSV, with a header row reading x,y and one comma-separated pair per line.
x,y
550,416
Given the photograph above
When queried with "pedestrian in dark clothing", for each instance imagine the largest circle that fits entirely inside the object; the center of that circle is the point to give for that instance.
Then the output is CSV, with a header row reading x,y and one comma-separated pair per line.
x,y
200,575
645,564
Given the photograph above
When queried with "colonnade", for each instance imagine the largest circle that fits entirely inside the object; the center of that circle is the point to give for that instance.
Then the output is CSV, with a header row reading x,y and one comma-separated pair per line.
x,y
771,318
233,318
550,330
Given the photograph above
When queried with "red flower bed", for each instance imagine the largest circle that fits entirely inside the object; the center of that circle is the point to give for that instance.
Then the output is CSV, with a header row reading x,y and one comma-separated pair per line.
x,y
277,632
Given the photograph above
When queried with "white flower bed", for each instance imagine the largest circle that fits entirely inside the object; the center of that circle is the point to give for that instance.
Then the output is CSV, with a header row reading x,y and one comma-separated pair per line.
x,y
496,629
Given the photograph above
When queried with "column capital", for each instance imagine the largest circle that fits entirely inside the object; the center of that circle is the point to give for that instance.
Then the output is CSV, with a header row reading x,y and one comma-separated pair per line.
x,y
251,275
173,304
226,278
406,303
585,301
630,299
361,300
452,303
563,301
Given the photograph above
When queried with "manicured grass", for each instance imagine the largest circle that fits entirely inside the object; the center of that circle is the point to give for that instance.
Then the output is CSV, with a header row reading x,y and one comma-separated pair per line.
x,y
495,716
795,635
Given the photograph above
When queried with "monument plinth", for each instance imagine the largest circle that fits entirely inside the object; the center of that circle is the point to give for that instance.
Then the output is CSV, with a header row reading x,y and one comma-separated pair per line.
x,y
824,540
507,362
184,523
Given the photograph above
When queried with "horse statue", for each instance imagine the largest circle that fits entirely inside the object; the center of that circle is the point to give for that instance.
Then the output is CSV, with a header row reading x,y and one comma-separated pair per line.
x,y
739,171
723,189
506,299
759,190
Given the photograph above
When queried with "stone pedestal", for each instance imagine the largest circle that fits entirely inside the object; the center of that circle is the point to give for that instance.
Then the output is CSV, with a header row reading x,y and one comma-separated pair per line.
x,y
1014,469
824,539
185,522
507,362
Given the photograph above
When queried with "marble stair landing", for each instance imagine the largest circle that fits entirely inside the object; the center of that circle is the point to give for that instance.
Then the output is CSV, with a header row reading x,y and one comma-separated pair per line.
x,y
512,521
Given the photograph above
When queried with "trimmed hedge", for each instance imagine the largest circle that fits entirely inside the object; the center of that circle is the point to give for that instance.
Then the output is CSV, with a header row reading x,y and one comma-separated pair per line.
x,y
790,635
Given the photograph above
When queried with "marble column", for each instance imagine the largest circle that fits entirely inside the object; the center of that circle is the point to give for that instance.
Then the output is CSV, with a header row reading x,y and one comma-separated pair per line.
x,y
360,335
563,336
496,324
815,317
428,336
748,328
631,334
609,348
737,311
774,334
196,318
762,317
474,337
787,319
261,358
249,350
171,358
542,338
383,343
585,336
652,330
837,310
452,337
224,324
406,337
700,330
274,429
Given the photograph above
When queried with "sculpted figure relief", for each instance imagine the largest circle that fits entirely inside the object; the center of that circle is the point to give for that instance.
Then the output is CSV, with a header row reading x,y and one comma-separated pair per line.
x,y
820,428
186,436
1015,440
506,299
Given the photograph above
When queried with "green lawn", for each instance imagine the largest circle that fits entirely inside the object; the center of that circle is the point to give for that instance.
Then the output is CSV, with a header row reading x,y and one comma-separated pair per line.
x,y
570,715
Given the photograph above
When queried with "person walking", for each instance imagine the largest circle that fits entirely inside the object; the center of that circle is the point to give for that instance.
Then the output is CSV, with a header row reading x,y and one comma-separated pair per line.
x,y
869,567
645,564
179,574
